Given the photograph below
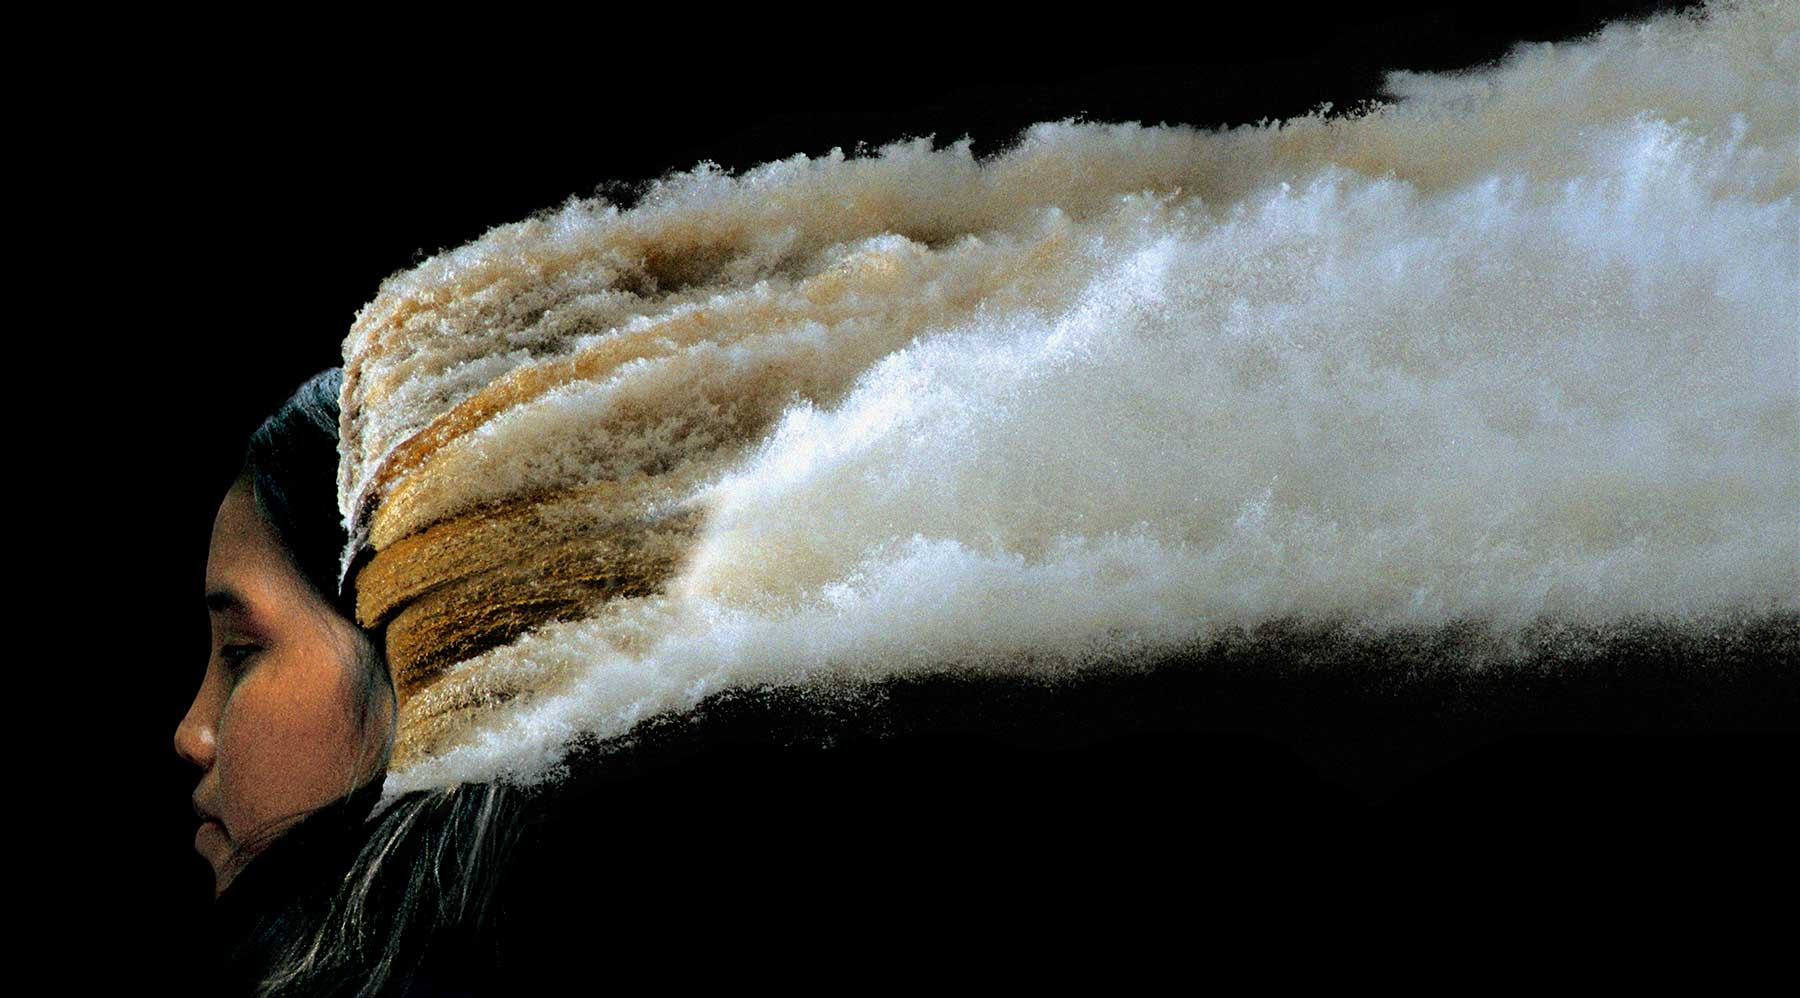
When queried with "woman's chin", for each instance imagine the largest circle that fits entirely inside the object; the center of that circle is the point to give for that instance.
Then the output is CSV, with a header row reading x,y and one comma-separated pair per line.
x,y
224,875
227,862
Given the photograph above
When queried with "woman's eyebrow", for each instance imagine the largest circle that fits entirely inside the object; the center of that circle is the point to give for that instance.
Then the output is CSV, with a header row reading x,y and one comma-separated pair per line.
x,y
225,601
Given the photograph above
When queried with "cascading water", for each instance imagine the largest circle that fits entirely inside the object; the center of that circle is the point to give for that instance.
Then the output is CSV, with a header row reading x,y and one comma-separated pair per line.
x,y
1520,347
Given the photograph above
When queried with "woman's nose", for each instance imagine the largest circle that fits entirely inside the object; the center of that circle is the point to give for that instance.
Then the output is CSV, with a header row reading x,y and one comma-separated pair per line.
x,y
194,735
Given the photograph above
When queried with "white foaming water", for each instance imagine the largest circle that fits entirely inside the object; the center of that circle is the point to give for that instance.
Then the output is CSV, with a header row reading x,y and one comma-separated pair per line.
x,y
1523,345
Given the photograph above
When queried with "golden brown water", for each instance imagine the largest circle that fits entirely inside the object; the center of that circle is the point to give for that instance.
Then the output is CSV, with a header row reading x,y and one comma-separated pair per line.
x,y
1518,347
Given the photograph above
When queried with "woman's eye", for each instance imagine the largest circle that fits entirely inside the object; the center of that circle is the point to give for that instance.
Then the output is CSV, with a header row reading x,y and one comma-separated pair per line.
x,y
234,656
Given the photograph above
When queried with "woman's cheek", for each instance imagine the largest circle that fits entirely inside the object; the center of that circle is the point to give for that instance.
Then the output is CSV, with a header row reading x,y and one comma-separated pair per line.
x,y
288,747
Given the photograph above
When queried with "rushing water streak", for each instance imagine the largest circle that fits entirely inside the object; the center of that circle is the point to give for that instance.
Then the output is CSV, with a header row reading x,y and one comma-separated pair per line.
x,y
1521,345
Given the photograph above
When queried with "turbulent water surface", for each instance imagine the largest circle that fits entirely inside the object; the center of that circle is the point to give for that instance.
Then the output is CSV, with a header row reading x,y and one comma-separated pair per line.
x,y
1518,346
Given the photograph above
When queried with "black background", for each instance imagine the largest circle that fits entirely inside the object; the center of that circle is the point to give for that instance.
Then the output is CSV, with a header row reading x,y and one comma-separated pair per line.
x,y
253,192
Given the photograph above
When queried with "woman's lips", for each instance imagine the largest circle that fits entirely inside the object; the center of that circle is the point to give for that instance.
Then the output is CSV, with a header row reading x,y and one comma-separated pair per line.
x,y
210,831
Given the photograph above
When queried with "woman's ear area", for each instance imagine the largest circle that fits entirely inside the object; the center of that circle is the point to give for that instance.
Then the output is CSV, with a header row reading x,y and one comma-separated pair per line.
x,y
375,711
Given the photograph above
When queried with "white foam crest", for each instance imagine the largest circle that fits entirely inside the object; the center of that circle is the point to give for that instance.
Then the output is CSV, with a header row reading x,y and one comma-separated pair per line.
x,y
1544,365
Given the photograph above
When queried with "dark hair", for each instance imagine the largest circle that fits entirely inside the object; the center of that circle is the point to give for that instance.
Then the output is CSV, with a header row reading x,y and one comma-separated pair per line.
x,y
348,901
291,463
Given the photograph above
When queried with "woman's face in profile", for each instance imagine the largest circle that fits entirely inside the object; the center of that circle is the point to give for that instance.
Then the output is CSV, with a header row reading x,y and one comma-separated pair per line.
x,y
272,727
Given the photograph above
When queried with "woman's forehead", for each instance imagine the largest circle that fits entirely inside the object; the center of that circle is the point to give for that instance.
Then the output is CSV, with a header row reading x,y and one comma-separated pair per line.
x,y
246,567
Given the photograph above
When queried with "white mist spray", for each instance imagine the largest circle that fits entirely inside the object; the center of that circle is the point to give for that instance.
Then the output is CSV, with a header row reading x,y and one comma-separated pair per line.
x,y
1523,345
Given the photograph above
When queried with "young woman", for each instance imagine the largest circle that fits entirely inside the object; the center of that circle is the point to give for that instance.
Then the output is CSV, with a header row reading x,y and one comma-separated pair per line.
x,y
875,416
292,728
